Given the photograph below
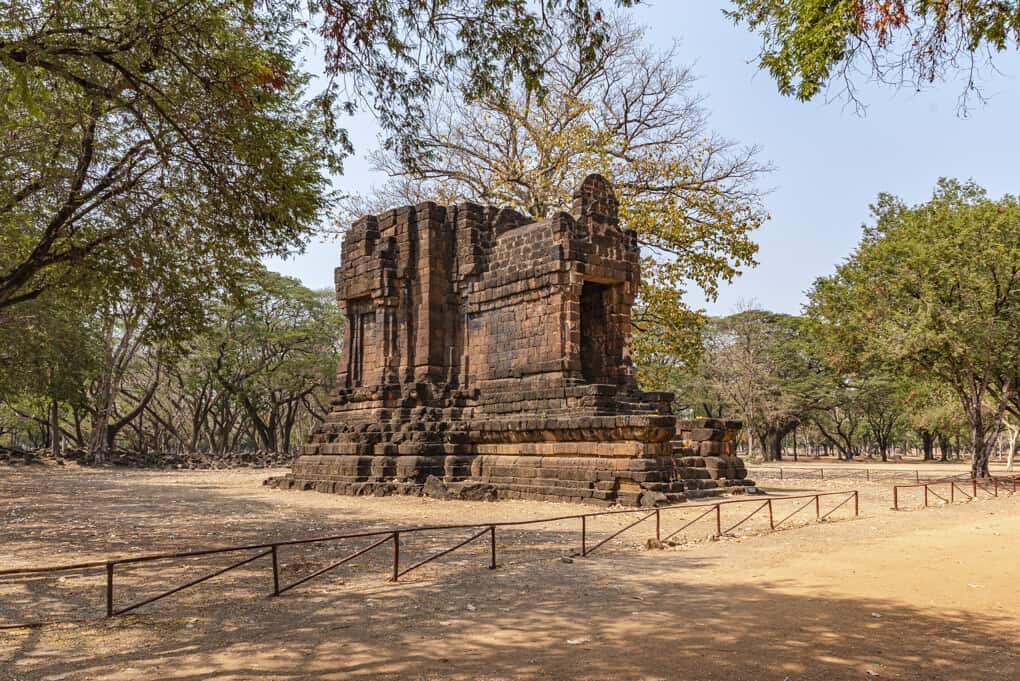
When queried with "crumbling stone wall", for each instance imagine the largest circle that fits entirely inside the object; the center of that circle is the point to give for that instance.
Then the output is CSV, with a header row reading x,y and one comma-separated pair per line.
x,y
485,348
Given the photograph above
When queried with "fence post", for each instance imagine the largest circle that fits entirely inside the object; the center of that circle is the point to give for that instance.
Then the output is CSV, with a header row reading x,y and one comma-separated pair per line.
x,y
822,471
818,507
895,498
492,545
857,504
952,491
396,556
917,476
718,520
772,524
109,589
780,472
926,496
276,572
974,490
657,525
584,546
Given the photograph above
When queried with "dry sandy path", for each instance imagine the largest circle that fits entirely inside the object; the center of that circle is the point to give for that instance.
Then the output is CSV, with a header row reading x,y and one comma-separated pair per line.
x,y
917,595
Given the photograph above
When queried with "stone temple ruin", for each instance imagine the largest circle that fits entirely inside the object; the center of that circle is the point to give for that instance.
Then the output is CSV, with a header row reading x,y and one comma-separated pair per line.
x,y
487,356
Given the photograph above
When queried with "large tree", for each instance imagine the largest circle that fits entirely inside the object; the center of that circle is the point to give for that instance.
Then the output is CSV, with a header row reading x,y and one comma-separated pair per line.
x,y
933,292
810,45
172,122
191,120
763,367
632,114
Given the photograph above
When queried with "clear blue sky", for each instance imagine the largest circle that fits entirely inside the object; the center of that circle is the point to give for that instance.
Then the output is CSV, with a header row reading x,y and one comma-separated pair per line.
x,y
830,162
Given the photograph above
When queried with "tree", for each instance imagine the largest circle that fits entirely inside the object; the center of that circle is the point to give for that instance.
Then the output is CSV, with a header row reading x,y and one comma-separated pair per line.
x,y
49,363
629,113
762,363
933,291
273,351
809,45
129,121
395,57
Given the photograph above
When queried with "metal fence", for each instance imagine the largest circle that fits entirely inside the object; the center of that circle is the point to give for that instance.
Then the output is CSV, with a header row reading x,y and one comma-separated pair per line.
x,y
485,532
950,490
846,473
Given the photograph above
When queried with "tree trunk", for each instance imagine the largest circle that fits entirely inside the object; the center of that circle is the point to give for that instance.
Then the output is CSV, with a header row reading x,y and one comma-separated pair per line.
x,y
927,444
944,447
979,460
1012,448
773,445
55,436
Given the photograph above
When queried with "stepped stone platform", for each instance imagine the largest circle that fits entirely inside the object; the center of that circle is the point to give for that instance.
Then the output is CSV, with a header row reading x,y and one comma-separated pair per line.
x,y
487,356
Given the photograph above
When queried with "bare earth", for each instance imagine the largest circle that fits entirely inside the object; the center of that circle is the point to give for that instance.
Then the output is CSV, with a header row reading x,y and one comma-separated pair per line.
x,y
927,594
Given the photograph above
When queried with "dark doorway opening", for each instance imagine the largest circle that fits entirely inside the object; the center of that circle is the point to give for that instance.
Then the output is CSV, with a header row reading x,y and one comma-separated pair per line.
x,y
594,331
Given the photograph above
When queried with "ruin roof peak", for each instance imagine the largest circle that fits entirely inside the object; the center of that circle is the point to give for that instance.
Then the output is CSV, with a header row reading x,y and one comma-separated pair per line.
x,y
594,199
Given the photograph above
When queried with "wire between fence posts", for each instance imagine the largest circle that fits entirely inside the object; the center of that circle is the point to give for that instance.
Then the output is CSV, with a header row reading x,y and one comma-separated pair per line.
x,y
748,516
795,512
616,534
689,523
840,505
337,564
444,552
190,584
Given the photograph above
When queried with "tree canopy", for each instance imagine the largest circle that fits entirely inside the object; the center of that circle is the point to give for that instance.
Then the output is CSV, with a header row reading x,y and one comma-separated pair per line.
x,y
809,45
133,126
933,291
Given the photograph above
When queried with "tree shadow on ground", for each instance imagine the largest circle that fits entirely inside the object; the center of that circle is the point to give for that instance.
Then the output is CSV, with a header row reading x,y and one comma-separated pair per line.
x,y
654,616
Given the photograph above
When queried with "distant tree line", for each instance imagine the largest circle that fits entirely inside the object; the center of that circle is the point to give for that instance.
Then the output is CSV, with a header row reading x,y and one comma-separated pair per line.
x,y
914,340
256,375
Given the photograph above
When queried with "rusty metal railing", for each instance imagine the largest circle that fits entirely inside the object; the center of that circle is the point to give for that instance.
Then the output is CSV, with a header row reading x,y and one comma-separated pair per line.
x,y
393,537
967,490
848,473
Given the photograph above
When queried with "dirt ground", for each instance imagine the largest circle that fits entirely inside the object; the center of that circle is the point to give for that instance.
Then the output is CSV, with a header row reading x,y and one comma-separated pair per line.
x,y
926,594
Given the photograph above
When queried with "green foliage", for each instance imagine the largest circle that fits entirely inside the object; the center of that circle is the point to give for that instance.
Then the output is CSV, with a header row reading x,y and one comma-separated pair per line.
x,y
760,366
261,367
933,293
396,56
274,351
54,354
146,137
809,44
